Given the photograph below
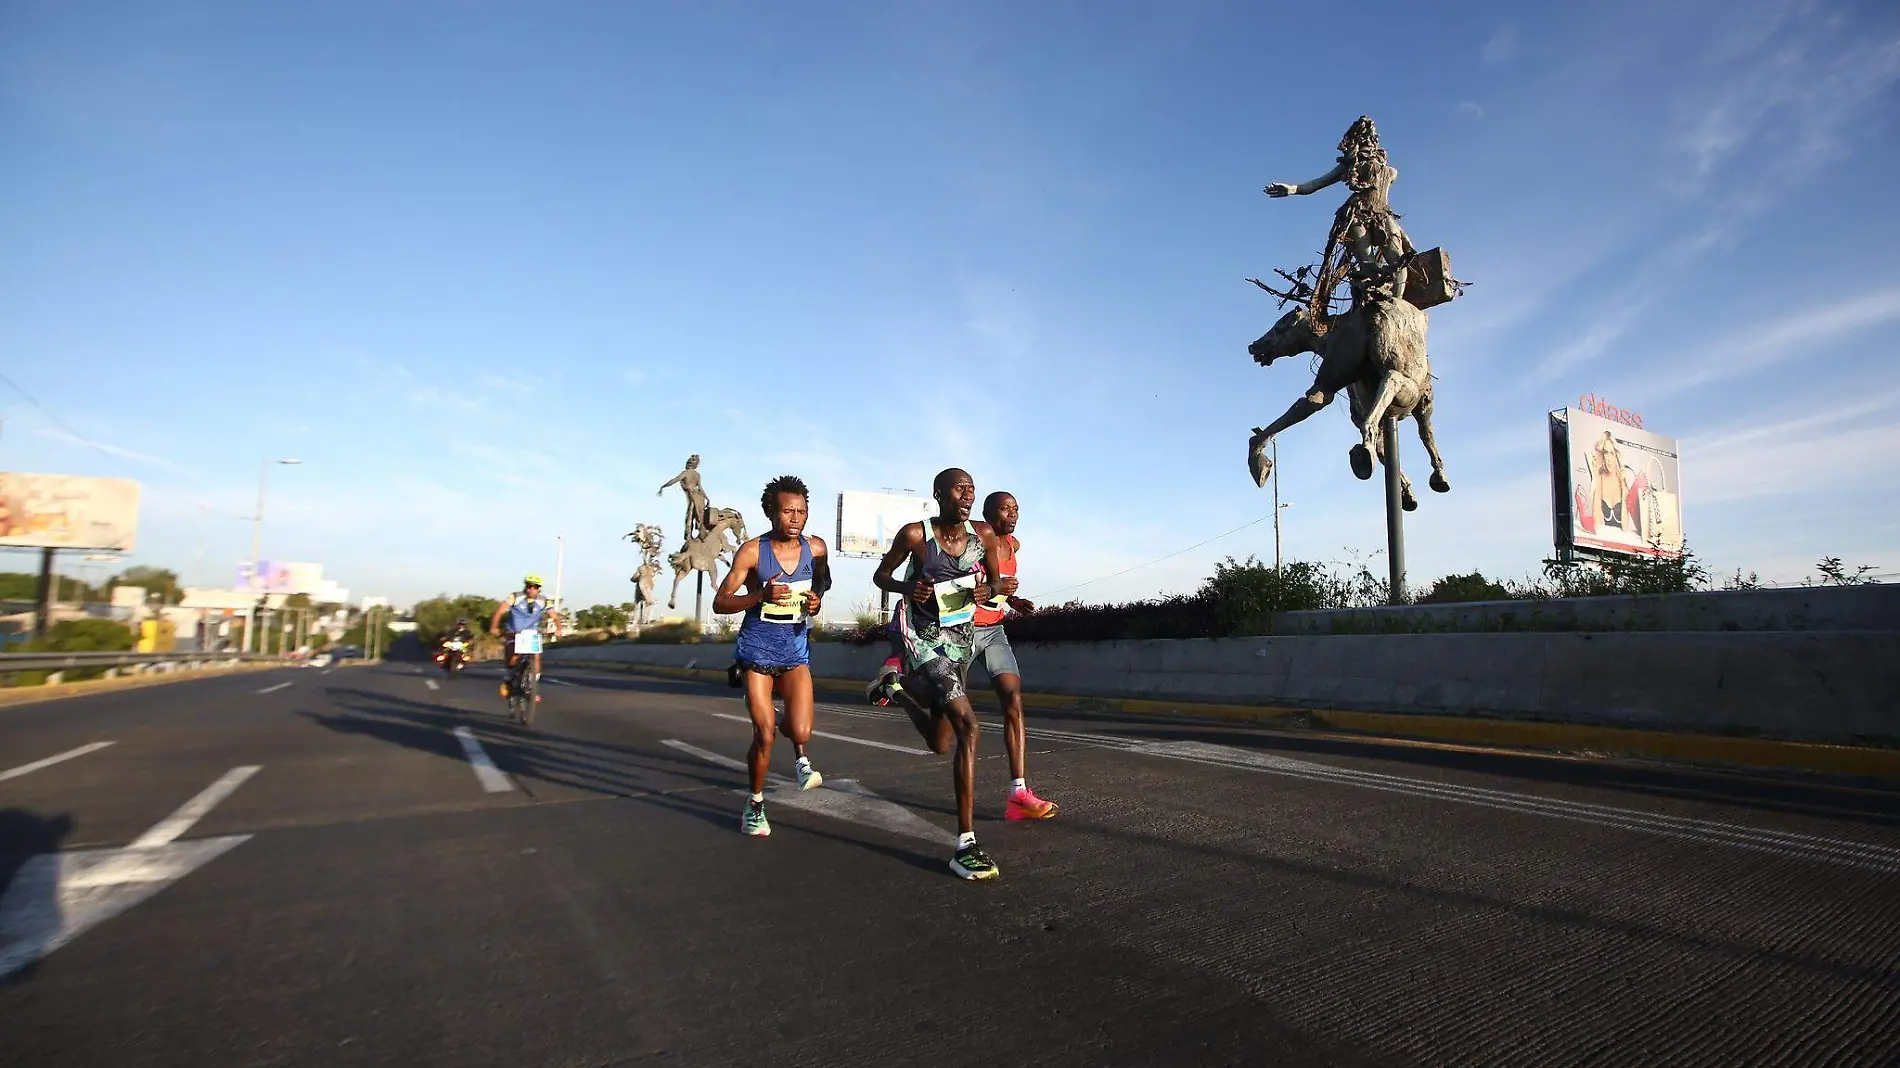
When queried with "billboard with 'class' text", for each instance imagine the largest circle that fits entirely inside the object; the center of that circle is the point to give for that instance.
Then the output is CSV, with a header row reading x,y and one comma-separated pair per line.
x,y
68,512
1615,488
869,522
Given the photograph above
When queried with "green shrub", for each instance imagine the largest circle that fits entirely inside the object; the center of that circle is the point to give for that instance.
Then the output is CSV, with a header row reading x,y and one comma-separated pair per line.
x,y
669,634
1462,589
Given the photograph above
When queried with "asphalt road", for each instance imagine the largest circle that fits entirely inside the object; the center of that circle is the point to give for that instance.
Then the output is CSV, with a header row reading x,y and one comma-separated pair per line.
x,y
314,868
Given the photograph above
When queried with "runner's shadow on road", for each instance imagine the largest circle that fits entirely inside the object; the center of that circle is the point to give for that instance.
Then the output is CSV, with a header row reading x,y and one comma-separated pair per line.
x,y
727,819
526,753
23,836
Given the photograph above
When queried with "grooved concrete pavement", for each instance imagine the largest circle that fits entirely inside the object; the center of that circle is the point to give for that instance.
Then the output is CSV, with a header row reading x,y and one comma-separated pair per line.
x,y
1210,894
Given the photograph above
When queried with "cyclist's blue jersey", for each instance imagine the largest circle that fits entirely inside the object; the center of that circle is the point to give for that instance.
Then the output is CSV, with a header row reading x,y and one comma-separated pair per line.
x,y
524,613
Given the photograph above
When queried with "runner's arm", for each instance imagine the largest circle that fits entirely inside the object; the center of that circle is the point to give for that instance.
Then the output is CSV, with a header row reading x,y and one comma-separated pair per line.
x,y
903,546
820,577
727,600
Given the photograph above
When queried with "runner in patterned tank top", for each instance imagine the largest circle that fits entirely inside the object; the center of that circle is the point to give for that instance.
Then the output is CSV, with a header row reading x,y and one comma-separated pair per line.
x,y
785,575
935,627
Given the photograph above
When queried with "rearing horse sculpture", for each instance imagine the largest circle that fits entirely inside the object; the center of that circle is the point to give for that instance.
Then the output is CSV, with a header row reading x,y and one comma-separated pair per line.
x,y
704,552
1376,353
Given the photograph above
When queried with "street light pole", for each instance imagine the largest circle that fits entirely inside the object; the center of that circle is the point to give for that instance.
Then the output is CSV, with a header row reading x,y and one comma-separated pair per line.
x,y
257,532
560,555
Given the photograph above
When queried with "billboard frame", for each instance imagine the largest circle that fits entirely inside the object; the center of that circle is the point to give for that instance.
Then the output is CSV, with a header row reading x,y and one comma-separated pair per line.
x,y
1562,505
838,542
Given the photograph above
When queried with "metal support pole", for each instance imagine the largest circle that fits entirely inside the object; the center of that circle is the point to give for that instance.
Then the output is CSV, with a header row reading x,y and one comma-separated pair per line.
x,y
1394,514
699,600
1276,506
43,601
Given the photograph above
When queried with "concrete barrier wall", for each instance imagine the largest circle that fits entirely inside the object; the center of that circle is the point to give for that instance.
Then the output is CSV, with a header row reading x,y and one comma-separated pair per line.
x,y
1805,608
1834,686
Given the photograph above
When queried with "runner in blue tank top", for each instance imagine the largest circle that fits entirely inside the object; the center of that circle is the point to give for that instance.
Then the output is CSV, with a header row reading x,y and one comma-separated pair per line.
x,y
785,575
936,628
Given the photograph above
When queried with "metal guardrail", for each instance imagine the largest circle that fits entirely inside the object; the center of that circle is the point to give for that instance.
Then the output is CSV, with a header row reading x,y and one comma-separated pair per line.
x,y
65,661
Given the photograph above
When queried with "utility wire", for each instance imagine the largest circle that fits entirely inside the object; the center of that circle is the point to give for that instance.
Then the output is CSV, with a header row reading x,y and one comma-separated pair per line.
x,y
1159,559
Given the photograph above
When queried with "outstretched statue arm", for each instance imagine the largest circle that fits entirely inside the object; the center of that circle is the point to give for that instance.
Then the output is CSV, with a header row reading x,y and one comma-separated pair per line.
x,y
1281,189
674,481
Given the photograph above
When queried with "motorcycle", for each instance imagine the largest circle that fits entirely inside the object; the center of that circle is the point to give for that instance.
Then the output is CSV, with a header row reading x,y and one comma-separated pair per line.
x,y
453,656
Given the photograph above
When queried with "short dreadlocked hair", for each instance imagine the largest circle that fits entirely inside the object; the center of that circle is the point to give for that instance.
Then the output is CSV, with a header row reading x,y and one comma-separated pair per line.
x,y
782,484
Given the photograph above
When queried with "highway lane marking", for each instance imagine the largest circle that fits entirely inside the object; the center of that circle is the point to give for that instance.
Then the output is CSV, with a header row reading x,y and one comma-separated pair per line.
x,y
842,737
432,684
274,689
843,799
715,758
26,769
167,830
55,897
493,779
1867,855
557,682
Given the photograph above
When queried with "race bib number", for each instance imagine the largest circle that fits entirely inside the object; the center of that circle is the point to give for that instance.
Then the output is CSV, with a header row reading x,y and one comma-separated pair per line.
x,y
786,613
527,642
956,601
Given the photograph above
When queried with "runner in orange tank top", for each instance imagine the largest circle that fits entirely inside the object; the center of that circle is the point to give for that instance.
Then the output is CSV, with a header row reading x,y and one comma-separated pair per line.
x,y
999,661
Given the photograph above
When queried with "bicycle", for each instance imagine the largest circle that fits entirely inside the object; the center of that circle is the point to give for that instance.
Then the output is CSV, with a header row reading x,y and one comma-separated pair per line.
x,y
521,691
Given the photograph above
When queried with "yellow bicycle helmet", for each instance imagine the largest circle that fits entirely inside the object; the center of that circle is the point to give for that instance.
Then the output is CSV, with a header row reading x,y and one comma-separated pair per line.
x,y
532,579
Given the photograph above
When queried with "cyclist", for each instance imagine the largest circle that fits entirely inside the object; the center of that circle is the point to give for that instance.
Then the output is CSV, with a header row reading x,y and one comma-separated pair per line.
x,y
526,613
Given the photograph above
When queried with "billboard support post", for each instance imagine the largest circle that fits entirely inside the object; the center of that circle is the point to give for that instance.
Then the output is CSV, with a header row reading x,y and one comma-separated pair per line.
x,y
43,601
1394,514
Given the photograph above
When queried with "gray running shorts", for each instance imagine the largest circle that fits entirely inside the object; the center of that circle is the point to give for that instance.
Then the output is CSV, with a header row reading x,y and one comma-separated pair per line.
x,y
993,652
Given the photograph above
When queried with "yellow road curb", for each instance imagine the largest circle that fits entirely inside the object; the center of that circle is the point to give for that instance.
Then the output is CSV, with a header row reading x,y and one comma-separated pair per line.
x,y
1865,761
27,695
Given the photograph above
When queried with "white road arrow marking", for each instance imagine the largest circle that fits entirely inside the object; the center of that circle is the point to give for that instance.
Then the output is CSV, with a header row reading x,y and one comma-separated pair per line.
x,y
55,897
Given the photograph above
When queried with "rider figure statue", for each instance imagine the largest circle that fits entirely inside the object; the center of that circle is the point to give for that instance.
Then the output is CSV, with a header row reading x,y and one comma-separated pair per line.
x,y
1365,226
696,504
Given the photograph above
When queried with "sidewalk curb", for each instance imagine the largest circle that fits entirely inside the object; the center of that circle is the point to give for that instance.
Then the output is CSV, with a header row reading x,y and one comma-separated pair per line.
x,y
31,695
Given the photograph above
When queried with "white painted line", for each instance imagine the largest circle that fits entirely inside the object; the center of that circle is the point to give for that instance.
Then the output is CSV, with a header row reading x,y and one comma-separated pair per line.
x,y
715,758
557,682
274,689
55,897
24,769
325,671
842,738
493,779
167,830
432,684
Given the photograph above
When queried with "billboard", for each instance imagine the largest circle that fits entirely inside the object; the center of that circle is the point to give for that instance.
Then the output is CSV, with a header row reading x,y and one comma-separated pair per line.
x,y
1615,488
282,576
68,512
869,522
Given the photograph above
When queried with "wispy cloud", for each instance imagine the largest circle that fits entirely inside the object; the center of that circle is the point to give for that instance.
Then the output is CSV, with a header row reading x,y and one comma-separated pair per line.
x,y
1502,46
1608,329
1797,91
1799,333
1471,109
1810,454
115,450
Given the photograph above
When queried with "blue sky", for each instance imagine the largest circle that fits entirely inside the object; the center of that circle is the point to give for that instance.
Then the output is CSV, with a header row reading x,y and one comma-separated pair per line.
x,y
493,270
